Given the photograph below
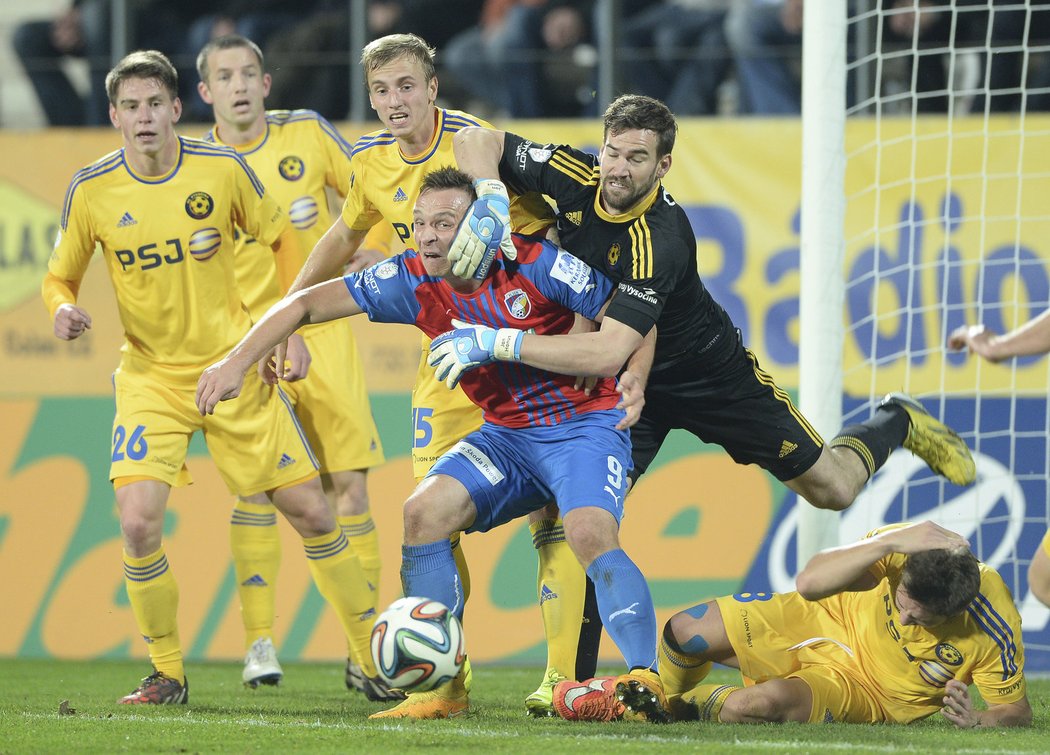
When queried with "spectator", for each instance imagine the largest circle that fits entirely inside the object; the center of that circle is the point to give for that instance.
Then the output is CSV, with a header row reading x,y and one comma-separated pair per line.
x,y
518,59
83,31
677,52
765,38
1018,28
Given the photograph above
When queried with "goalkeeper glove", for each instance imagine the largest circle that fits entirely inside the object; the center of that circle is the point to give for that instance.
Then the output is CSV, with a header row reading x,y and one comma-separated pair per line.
x,y
484,231
469,346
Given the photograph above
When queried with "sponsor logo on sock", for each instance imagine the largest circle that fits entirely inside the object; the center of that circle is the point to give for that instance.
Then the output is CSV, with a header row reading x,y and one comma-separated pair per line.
x,y
255,580
126,220
787,447
547,594
624,611
285,461
367,614
400,195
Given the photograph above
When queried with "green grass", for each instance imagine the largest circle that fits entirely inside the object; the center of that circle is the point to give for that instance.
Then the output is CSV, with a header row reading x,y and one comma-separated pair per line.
x,y
313,712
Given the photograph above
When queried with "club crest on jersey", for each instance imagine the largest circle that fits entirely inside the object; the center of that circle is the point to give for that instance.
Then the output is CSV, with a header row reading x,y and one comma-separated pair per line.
x,y
613,255
199,205
949,654
386,270
291,168
518,304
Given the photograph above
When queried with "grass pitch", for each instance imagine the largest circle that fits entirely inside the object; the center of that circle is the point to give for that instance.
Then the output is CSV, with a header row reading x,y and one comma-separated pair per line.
x,y
313,712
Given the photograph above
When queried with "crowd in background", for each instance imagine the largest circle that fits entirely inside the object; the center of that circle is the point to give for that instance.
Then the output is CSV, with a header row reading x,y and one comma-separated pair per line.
x,y
538,59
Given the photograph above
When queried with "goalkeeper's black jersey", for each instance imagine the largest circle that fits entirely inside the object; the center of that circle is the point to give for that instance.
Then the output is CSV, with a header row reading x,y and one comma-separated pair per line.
x,y
650,252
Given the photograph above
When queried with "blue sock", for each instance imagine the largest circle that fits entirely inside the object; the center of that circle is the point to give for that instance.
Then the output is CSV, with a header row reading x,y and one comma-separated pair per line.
x,y
429,571
626,607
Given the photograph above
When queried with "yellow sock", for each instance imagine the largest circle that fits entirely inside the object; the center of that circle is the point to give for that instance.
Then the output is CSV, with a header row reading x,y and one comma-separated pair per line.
x,y
154,598
340,579
256,547
461,564
679,672
360,531
708,699
562,587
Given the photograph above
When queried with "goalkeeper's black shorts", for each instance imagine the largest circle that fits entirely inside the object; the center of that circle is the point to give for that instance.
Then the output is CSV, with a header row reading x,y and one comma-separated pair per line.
x,y
735,405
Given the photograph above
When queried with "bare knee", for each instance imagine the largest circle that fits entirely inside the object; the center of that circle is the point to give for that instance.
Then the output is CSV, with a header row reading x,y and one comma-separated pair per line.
x,y
590,532
348,492
305,508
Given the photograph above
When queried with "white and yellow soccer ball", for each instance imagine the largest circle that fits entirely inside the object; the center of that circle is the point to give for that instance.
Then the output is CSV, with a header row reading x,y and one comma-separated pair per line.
x,y
417,644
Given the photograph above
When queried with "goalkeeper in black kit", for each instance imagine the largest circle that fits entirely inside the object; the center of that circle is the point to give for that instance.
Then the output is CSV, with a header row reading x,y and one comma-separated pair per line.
x,y
616,215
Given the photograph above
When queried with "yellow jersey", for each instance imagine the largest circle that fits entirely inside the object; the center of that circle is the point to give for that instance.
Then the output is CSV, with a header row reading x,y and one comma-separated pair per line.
x,y
168,244
297,156
911,664
384,181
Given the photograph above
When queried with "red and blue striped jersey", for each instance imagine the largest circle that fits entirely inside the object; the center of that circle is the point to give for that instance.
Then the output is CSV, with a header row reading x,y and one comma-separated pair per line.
x,y
539,292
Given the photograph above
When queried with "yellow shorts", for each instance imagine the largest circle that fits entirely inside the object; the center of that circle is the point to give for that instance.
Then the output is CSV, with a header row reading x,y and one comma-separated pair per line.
x,y
783,635
332,401
255,439
440,417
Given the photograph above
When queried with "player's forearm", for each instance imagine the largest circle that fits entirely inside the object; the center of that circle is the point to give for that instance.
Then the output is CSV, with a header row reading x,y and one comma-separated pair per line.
x,y
1006,715
836,569
279,322
478,151
328,257
641,361
597,354
58,291
1031,338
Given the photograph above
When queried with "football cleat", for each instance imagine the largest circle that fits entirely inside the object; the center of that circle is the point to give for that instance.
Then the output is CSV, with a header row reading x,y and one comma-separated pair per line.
x,y
540,704
355,678
261,665
641,691
378,691
159,689
934,442
590,700
447,701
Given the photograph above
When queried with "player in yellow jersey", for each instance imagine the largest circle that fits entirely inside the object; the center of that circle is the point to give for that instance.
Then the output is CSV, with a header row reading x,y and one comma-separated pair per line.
x,y
890,629
1028,338
387,167
164,210
297,155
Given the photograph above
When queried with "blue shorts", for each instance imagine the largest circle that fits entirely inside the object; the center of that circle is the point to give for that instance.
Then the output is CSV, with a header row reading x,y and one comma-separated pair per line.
x,y
512,472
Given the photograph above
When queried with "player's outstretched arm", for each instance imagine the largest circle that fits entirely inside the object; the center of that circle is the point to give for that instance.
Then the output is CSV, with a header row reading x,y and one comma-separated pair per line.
x,y
321,303
329,256
478,151
1033,337
846,568
958,708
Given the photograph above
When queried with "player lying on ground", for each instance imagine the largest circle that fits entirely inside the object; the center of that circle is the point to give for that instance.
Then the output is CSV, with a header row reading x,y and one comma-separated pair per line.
x,y
890,629
542,439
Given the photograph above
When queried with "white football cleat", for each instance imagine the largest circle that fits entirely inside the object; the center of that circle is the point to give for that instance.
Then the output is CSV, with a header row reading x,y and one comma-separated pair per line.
x,y
261,665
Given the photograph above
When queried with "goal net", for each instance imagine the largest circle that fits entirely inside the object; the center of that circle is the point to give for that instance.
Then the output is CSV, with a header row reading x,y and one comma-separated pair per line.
x,y
943,164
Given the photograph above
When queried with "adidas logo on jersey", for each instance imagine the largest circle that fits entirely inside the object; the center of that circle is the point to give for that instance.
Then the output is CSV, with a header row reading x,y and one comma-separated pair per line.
x,y
787,447
126,220
285,461
547,594
255,580
400,195
574,217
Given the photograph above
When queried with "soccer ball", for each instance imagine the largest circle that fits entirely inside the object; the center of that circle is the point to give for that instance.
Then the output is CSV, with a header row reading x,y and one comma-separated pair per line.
x,y
417,644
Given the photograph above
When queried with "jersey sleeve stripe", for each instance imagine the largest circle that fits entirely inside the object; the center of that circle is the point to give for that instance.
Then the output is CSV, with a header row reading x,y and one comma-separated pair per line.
x,y
105,165
641,250
331,131
574,169
378,139
994,626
